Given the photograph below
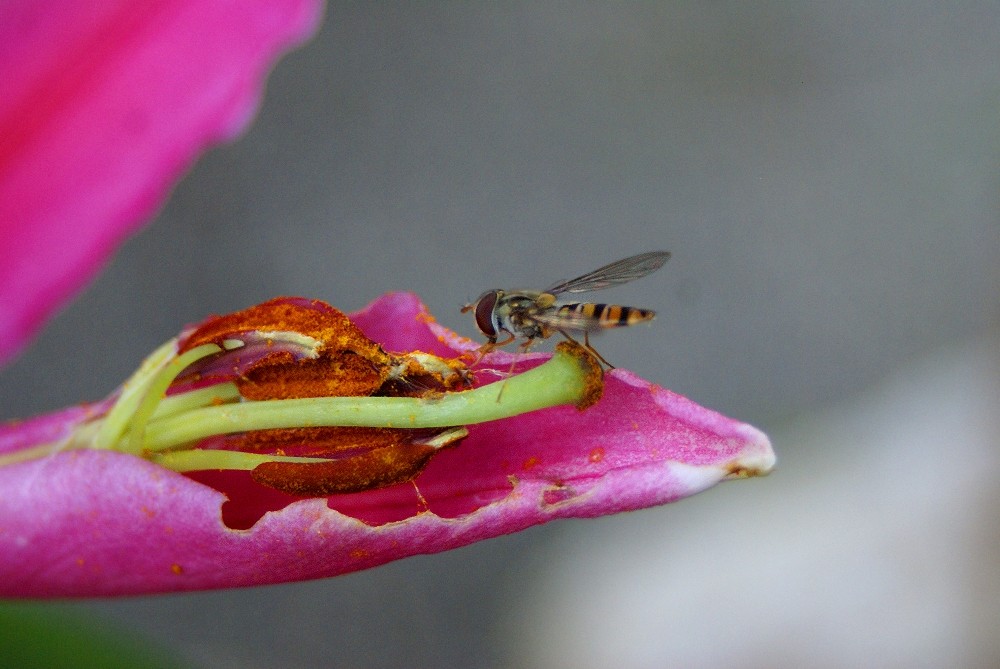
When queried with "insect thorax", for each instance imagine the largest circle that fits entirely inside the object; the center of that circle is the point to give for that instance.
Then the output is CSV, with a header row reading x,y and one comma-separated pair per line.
x,y
515,312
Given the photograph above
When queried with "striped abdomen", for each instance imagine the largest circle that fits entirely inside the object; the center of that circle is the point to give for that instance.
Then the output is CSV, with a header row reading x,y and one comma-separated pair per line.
x,y
589,316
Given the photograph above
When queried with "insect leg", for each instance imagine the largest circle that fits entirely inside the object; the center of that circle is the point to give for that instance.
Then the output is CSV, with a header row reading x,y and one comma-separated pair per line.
x,y
487,348
505,342
586,345
525,347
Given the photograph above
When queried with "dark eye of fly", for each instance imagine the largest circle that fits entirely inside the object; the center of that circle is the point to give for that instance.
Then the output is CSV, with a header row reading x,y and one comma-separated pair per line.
x,y
484,314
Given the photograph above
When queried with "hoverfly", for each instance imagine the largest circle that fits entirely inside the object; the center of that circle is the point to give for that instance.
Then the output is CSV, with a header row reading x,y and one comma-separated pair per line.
x,y
538,314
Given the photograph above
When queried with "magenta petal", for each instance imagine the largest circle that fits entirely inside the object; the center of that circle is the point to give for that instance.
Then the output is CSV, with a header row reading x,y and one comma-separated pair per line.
x,y
104,105
98,523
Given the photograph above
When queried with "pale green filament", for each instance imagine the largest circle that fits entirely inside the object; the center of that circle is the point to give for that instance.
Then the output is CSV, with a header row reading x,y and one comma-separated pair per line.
x,y
132,393
156,392
197,459
220,393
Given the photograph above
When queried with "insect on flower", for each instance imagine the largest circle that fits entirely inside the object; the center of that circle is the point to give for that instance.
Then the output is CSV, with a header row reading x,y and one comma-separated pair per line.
x,y
538,314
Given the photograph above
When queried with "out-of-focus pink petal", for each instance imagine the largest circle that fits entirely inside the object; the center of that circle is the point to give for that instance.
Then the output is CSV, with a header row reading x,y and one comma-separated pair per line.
x,y
104,105
99,523
18,435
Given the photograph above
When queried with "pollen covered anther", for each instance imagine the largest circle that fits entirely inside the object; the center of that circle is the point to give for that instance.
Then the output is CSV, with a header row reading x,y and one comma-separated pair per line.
x,y
386,457
292,347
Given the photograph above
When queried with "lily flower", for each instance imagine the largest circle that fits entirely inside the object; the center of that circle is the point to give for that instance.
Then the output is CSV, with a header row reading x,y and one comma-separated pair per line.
x,y
287,441
280,443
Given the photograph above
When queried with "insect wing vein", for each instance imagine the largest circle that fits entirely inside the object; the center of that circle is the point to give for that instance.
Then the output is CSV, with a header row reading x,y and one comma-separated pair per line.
x,y
615,274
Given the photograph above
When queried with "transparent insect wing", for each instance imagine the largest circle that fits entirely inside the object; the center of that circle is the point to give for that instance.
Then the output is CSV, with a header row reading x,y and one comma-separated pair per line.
x,y
615,274
568,321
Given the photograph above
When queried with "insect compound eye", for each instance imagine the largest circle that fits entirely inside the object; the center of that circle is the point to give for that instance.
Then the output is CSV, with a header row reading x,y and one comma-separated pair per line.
x,y
484,313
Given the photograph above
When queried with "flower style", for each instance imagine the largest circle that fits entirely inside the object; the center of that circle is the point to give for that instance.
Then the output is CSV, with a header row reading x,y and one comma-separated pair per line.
x,y
94,502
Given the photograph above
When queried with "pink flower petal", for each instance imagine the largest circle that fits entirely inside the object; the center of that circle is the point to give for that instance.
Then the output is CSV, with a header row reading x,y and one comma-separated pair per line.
x,y
98,523
105,104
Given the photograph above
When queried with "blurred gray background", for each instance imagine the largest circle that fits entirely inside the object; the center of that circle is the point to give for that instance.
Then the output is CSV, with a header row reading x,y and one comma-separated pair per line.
x,y
825,175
